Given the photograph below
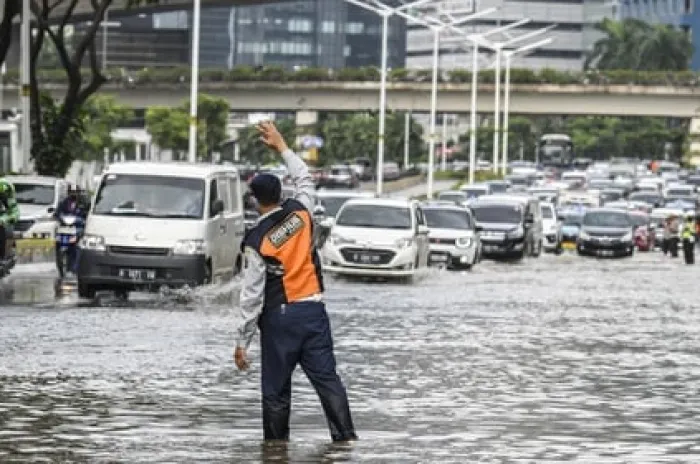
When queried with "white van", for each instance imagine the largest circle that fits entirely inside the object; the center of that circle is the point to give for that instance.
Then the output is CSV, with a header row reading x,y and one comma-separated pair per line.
x,y
161,224
37,199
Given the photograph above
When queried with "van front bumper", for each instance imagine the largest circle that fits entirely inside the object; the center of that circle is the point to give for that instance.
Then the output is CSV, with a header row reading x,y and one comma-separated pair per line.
x,y
104,270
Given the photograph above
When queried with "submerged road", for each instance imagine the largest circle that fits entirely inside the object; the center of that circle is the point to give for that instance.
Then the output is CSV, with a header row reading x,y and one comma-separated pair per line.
x,y
558,359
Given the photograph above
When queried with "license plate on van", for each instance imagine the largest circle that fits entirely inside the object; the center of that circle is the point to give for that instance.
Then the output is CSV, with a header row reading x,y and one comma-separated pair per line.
x,y
137,274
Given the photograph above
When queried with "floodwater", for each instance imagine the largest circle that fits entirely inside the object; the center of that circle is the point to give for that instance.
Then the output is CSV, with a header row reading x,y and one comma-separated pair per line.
x,y
559,359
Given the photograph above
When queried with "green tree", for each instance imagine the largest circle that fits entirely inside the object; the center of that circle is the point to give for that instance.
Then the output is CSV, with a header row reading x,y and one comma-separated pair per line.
x,y
169,128
395,130
635,44
255,152
521,133
101,115
212,114
51,143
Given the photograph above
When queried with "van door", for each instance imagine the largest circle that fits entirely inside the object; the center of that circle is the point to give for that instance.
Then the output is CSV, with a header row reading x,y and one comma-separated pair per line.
x,y
236,220
213,233
225,228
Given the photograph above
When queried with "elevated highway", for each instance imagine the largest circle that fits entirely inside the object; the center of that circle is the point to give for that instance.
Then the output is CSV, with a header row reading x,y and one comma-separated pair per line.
x,y
527,99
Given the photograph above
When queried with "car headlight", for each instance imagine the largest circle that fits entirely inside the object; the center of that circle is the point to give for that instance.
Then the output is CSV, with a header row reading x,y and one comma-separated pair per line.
x,y
517,233
189,247
336,239
627,237
404,242
583,235
463,242
93,242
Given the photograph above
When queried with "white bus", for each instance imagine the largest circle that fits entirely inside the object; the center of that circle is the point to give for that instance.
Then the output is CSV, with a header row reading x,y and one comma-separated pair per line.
x,y
555,149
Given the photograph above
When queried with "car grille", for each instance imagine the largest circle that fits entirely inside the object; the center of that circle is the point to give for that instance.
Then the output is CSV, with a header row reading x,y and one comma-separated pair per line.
x,y
362,256
125,250
606,234
24,225
443,241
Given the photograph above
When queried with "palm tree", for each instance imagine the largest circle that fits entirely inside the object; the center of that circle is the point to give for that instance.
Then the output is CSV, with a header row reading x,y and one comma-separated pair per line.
x,y
635,44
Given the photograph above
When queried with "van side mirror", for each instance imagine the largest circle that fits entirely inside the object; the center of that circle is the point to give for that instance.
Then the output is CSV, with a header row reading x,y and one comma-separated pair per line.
x,y
319,210
216,208
478,228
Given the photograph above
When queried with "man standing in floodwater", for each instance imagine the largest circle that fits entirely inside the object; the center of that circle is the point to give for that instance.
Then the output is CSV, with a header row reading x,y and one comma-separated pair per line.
x,y
282,294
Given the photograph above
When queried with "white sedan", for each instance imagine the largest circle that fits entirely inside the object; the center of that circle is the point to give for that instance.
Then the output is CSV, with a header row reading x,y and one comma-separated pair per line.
x,y
377,237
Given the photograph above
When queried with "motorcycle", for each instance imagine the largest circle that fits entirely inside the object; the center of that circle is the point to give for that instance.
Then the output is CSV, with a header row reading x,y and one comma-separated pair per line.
x,y
68,233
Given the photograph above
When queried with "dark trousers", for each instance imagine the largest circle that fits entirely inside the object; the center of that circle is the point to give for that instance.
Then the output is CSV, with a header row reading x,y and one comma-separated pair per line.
x,y
300,333
6,241
689,251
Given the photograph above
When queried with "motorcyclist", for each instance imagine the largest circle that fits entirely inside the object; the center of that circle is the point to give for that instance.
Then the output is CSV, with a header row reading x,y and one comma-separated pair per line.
x,y
688,238
72,205
9,215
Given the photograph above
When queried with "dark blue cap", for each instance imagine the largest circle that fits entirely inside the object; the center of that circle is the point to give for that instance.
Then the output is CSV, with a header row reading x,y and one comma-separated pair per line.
x,y
266,188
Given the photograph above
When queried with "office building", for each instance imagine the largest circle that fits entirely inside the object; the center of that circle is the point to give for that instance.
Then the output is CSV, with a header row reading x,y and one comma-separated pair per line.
x,y
678,13
573,36
312,33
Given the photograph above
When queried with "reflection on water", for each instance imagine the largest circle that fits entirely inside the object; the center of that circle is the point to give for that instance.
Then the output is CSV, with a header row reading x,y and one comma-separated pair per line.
x,y
555,360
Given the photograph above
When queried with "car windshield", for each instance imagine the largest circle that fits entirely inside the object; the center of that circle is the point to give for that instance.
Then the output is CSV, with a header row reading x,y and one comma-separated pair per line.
x,y
517,180
572,220
380,217
606,219
649,198
474,192
693,180
150,196
447,219
679,192
501,214
639,220
333,204
498,187
547,212
34,194
456,197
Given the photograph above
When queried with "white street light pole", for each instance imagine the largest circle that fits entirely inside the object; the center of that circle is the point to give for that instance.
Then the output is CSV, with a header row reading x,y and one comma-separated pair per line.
x,y
506,100
437,28
3,71
476,39
192,152
443,163
385,12
25,45
406,139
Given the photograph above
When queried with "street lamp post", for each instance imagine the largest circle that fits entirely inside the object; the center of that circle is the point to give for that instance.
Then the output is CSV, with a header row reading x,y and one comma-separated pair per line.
x,y
437,29
476,40
406,139
498,47
506,99
385,12
25,44
194,84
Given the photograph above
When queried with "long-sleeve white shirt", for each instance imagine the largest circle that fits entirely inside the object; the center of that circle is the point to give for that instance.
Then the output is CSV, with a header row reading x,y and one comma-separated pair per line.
x,y
255,270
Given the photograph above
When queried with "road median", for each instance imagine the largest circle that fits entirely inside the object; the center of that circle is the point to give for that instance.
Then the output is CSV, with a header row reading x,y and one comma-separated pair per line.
x,y
395,185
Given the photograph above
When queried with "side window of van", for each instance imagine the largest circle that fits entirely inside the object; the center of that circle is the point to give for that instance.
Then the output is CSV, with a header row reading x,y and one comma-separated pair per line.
x,y
234,186
225,193
213,194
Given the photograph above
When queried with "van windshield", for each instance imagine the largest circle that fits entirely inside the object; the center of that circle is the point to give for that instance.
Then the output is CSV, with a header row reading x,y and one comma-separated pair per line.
x,y
34,194
150,196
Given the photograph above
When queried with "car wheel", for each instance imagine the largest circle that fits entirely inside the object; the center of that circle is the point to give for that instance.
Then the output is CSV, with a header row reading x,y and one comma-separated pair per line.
x,y
86,291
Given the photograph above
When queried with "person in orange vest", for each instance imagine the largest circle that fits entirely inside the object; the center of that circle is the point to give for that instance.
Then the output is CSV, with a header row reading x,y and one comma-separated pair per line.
x,y
282,295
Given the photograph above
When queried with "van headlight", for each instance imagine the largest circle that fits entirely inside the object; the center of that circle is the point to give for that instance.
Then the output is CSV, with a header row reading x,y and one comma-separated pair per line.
x,y
627,237
189,247
517,233
463,242
336,239
93,242
583,235
404,242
